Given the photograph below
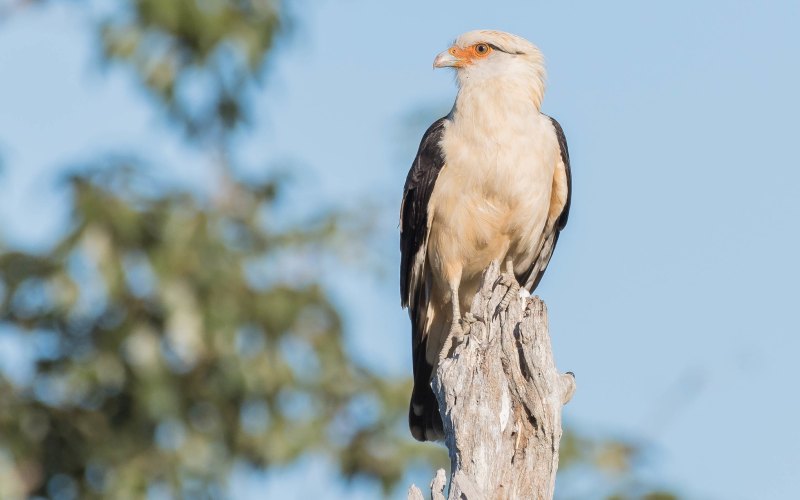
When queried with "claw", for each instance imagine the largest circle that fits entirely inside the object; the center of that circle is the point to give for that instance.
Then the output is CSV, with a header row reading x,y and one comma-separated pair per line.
x,y
468,319
454,338
513,290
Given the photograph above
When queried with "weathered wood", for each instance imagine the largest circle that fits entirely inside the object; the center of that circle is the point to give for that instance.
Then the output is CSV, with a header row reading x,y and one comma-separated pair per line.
x,y
502,398
437,488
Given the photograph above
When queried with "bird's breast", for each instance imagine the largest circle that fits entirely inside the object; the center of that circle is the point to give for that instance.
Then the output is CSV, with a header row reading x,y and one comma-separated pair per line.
x,y
493,193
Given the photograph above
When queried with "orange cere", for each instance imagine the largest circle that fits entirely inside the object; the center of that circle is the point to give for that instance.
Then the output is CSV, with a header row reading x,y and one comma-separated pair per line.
x,y
469,55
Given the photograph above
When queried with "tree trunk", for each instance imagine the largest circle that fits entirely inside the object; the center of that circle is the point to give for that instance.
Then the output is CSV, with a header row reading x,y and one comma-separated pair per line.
x,y
501,398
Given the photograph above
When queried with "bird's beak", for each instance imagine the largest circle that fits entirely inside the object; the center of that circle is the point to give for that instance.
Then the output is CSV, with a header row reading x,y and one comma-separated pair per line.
x,y
448,59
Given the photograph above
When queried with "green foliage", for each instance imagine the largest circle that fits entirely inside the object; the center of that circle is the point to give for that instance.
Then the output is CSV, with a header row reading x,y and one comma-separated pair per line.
x,y
605,467
168,361
180,334
197,58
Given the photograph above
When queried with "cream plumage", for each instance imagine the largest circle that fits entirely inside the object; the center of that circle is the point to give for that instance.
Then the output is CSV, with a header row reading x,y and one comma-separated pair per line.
x,y
491,181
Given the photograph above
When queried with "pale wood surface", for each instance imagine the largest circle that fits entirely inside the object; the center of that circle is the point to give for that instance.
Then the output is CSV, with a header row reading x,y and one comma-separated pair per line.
x,y
502,397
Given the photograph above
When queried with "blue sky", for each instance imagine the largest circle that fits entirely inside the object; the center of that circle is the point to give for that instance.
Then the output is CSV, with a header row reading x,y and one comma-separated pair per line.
x,y
673,292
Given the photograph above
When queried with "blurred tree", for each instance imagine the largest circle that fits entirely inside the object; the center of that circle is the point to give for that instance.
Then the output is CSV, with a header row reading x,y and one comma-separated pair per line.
x,y
179,334
174,343
170,351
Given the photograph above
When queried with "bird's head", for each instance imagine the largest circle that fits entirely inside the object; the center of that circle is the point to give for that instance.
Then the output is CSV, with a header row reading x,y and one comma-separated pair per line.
x,y
487,56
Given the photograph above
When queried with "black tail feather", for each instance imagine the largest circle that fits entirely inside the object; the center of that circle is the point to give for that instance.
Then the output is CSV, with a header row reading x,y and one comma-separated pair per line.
x,y
424,418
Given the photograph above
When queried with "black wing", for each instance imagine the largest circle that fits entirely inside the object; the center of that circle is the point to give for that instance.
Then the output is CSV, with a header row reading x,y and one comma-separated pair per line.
x,y
533,276
423,413
414,213
562,144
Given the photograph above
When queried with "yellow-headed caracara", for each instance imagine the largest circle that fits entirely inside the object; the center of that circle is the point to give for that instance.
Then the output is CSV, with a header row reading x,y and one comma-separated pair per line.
x,y
491,181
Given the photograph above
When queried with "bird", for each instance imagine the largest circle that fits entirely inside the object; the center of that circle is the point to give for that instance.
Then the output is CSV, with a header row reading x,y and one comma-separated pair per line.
x,y
491,181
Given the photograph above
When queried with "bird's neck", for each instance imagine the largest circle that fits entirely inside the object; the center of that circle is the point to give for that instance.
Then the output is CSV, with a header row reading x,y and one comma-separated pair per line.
x,y
497,102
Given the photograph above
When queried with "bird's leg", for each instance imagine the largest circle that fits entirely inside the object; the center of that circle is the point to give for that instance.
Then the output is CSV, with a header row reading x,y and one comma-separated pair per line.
x,y
510,280
456,333
455,326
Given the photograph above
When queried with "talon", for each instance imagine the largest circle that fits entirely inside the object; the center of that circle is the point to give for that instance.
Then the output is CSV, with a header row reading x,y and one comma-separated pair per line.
x,y
464,326
454,337
456,331
513,289
445,352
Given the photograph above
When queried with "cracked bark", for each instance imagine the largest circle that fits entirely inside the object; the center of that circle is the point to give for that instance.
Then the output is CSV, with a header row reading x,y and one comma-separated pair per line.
x,y
501,397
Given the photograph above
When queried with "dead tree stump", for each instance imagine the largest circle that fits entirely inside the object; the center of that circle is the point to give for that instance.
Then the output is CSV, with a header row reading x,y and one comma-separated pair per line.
x,y
501,398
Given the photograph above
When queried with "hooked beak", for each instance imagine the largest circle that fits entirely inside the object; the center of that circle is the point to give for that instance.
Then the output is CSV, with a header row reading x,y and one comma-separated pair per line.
x,y
448,59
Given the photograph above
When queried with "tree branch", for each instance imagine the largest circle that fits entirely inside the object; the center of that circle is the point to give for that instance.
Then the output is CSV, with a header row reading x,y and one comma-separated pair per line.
x,y
501,397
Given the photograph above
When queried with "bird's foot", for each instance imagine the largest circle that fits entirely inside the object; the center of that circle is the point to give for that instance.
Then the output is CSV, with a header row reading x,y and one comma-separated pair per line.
x,y
459,329
510,281
467,321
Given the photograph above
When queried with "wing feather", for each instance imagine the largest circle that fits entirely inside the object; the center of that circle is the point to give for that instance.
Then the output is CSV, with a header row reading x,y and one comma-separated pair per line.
x,y
414,223
561,199
424,419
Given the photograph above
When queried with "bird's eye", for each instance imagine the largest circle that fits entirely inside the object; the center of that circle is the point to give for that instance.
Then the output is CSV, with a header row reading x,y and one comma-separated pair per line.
x,y
482,49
